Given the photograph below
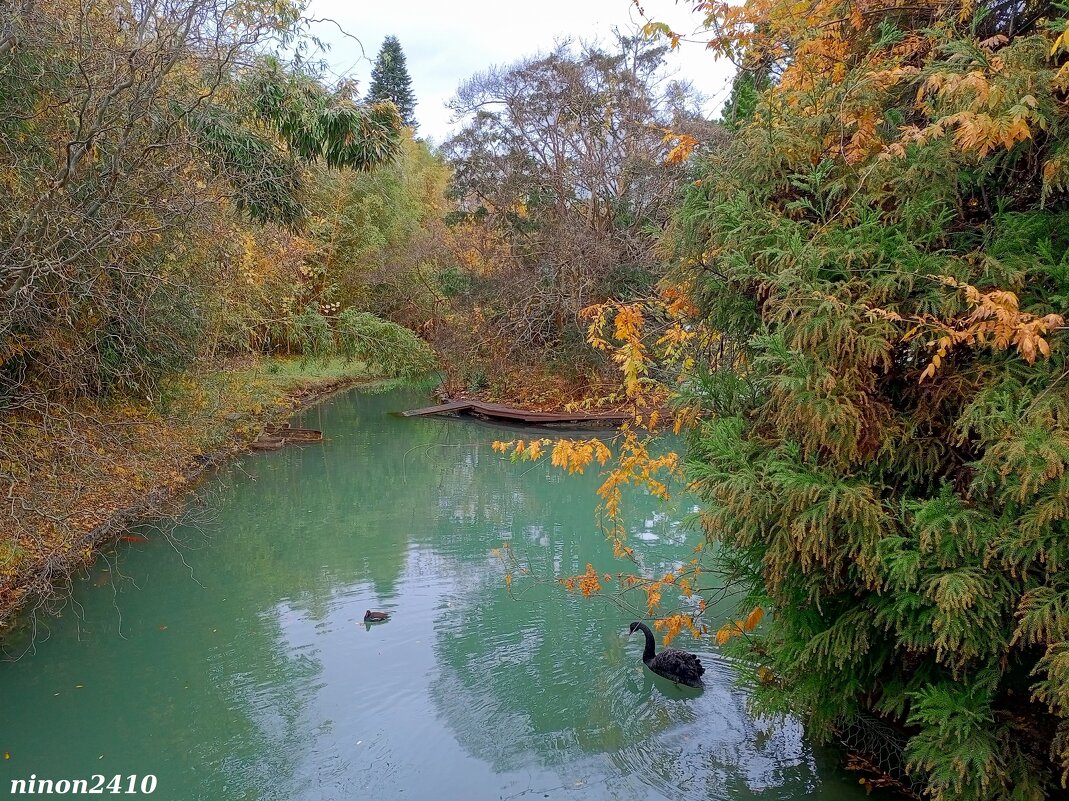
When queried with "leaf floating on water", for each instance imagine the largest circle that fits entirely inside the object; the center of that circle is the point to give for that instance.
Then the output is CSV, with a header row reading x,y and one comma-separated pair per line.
x,y
7,755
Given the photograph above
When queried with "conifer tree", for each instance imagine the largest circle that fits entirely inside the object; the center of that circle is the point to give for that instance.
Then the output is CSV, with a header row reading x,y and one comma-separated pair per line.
x,y
390,80
741,104
883,445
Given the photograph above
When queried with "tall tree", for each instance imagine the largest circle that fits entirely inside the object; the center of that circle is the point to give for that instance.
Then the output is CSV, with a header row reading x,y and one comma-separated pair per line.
x,y
884,440
129,139
563,155
390,80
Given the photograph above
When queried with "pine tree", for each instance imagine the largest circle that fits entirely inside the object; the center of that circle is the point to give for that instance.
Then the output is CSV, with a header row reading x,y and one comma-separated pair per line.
x,y
390,80
741,105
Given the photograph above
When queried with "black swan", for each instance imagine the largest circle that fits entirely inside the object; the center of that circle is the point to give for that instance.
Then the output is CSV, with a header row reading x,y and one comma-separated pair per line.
x,y
375,617
677,666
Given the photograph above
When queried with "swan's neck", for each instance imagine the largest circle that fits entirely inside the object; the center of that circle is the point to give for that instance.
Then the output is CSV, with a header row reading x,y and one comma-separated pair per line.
x,y
651,643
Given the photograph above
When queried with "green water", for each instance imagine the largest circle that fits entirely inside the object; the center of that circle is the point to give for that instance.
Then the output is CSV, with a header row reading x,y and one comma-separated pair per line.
x,y
230,660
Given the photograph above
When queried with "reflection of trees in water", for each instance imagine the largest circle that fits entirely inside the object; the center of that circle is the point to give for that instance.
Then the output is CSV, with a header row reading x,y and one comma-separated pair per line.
x,y
349,512
549,680
203,692
526,683
261,690
319,518
315,523
723,752
269,565
540,675
518,681
530,696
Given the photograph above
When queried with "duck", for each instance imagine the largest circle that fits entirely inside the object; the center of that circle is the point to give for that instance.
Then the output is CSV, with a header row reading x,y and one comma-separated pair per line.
x,y
375,617
677,666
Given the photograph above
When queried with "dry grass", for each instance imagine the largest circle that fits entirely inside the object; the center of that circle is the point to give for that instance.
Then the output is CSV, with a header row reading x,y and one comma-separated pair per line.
x,y
71,478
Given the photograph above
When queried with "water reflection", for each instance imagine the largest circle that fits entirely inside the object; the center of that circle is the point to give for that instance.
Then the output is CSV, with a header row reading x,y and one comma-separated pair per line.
x,y
238,666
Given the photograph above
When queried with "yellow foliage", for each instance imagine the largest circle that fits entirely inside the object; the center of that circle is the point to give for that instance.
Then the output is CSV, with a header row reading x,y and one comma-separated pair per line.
x,y
664,330
684,145
996,322
673,626
588,581
754,618
739,627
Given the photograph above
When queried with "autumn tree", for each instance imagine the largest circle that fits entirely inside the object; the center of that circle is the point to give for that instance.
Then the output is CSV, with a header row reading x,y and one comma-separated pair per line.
x,y
138,145
378,235
162,176
390,80
883,436
562,157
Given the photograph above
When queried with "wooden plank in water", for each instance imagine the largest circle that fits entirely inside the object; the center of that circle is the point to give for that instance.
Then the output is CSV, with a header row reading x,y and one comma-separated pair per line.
x,y
497,411
444,408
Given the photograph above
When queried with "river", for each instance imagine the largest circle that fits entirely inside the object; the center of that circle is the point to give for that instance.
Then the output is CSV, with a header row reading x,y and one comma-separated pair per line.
x,y
229,658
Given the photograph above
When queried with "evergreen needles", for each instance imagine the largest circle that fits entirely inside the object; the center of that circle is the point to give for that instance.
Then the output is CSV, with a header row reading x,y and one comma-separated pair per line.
x,y
885,438
390,81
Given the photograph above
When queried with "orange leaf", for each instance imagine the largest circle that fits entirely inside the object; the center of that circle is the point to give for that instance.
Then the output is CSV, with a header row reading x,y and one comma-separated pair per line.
x,y
754,618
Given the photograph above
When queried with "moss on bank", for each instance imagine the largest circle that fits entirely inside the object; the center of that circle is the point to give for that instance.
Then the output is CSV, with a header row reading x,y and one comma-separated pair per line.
x,y
75,477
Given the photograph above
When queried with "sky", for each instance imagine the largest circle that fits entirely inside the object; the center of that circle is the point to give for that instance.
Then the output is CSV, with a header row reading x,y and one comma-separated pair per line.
x,y
445,43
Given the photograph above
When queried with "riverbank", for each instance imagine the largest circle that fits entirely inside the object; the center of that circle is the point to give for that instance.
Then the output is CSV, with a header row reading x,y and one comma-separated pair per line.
x,y
73,479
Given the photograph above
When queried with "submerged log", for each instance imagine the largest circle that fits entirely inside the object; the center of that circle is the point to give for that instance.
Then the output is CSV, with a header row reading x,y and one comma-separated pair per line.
x,y
273,439
297,435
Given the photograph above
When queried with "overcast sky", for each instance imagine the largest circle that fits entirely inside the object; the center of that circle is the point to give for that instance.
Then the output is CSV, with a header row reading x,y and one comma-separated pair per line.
x,y
447,42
